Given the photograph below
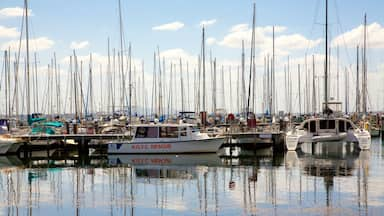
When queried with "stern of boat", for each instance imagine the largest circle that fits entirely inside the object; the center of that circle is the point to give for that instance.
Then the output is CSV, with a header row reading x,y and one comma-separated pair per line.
x,y
291,141
363,138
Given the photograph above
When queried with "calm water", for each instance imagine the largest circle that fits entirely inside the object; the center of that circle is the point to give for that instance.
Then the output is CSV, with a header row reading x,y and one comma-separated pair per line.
x,y
321,179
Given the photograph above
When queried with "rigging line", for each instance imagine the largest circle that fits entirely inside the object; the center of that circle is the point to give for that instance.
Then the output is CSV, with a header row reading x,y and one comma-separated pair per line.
x,y
341,32
313,24
2,71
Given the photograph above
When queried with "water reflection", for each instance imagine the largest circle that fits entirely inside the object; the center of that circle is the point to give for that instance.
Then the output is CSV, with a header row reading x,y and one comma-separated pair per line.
x,y
321,178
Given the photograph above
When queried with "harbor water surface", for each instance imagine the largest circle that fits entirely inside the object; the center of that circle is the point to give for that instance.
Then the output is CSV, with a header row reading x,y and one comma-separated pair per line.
x,y
318,179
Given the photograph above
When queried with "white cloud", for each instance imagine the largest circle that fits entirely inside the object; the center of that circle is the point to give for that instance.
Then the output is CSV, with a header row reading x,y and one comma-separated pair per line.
x,y
79,45
296,42
8,32
176,54
239,27
354,37
13,12
263,36
211,41
36,44
99,59
173,26
207,22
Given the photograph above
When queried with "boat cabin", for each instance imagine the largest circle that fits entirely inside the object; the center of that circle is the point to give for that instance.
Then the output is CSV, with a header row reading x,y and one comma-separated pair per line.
x,y
168,131
324,125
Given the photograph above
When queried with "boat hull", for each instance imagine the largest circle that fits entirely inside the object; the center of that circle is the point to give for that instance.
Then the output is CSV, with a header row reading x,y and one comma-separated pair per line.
x,y
190,146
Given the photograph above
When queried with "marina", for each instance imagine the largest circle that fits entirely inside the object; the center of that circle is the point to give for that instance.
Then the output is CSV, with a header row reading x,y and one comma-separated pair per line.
x,y
326,179
255,118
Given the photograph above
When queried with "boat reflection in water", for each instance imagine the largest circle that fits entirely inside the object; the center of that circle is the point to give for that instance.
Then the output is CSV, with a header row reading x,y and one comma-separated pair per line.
x,y
318,179
332,163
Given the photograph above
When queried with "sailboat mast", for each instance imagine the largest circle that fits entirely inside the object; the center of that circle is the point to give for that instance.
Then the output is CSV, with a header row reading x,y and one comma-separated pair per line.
x,y
203,65
357,81
326,57
252,50
299,80
243,77
346,90
313,85
365,93
27,63
181,86
121,56
273,111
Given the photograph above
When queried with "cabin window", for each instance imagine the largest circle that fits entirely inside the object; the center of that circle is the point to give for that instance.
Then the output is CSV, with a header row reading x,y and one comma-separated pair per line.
x,y
312,126
141,132
169,132
146,132
341,126
323,124
305,126
331,124
152,132
183,131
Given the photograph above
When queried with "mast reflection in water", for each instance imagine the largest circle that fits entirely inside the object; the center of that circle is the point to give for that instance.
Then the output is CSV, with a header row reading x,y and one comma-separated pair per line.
x,y
320,178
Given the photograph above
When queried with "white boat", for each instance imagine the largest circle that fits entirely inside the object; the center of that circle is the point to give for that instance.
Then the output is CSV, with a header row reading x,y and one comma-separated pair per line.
x,y
326,130
166,138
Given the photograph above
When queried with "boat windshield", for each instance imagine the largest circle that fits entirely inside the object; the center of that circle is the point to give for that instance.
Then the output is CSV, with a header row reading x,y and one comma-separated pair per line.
x,y
327,124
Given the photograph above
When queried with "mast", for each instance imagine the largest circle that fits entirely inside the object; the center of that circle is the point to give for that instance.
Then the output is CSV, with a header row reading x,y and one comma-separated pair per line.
x,y
7,101
298,77
214,86
313,85
203,65
27,63
110,95
337,75
306,93
75,84
285,87
130,83
252,55
273,107
144,93
243,77
346,90
121,56
326,58
181,87
160,105
357,81
57,82
289,87
36,98
230,90
365,92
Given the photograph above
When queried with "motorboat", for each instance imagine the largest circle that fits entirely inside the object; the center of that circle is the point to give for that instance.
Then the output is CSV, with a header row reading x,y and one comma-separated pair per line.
x,y
166,138
327,129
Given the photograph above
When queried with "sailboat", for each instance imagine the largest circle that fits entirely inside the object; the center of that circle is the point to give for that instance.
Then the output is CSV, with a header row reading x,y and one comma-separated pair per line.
x,y
9,144
327,128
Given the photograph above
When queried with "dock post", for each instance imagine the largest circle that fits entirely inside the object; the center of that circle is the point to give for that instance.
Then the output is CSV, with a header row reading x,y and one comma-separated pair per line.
x,y
83,149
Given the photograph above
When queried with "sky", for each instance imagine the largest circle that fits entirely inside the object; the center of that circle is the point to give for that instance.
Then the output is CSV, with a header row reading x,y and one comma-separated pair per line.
x,y
62,26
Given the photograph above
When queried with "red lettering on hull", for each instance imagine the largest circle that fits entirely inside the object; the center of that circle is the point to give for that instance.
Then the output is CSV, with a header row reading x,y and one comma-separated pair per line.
x,y
151,146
